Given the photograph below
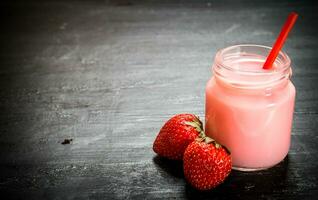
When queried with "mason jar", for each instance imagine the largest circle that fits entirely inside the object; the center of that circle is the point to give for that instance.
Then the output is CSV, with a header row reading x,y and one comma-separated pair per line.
x,y
249,109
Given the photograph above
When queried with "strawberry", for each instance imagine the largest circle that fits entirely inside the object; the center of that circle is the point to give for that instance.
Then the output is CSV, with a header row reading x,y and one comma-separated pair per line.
x,y
206,163
176,134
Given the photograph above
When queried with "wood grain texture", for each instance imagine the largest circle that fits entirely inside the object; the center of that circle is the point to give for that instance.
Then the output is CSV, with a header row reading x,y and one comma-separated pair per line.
x,y
108,74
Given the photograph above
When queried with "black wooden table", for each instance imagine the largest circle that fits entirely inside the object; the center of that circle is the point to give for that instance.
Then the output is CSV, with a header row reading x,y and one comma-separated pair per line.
x,y
108,74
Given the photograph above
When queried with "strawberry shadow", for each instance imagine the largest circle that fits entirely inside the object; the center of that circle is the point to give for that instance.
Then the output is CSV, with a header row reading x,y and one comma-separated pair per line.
x,y
171,167
249,185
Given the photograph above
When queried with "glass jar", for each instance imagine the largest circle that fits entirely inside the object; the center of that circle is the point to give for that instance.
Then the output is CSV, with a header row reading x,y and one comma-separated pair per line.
x,y
248,109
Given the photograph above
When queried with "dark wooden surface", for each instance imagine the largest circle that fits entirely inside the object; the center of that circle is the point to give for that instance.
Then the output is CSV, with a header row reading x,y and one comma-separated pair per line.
x,y
108,74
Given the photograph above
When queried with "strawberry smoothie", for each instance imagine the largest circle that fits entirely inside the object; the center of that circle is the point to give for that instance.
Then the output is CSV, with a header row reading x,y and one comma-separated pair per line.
x,y
248,109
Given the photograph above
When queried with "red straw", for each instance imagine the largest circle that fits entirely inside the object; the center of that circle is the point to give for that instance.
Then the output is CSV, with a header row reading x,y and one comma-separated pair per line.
x,y
280,40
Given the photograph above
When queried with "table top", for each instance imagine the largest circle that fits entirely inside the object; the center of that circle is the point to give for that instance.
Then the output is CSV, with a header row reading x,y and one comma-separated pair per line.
x,y
108,74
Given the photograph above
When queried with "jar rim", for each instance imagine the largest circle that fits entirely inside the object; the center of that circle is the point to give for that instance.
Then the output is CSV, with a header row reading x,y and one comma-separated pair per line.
x,y
283,66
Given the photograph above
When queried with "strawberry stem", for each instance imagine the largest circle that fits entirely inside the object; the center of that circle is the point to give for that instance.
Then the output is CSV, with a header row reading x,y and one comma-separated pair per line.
x,y
197,124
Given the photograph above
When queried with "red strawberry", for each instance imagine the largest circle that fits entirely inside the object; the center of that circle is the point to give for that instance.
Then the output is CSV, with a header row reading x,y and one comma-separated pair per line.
x,y
206,163
177,133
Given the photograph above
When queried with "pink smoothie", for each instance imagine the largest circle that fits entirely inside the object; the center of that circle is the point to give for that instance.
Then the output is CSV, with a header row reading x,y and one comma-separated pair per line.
x,y
253,122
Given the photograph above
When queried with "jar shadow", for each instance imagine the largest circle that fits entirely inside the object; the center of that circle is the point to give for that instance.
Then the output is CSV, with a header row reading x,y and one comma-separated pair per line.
x,y
248,185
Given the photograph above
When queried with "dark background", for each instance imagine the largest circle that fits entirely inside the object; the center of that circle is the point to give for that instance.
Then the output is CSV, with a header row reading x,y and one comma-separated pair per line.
x,y
108,74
